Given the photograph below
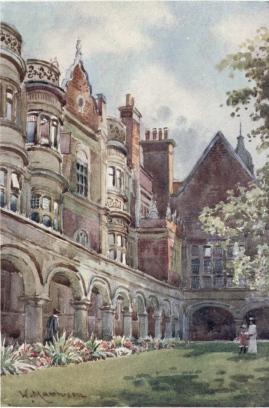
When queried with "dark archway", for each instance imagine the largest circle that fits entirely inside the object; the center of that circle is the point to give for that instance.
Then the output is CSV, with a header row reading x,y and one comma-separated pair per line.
x,y
95,313
151,322
61,295
12,305
212,323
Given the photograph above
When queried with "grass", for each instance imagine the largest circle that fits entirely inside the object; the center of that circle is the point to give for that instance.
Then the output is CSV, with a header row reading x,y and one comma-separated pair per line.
x,y
197,375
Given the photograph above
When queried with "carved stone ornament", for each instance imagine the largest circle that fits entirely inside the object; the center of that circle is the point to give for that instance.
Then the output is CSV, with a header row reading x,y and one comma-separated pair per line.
x,y
10,41
40,71
113,203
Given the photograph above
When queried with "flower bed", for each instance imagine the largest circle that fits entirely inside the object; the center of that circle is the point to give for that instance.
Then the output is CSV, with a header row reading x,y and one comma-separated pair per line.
x,y
17,359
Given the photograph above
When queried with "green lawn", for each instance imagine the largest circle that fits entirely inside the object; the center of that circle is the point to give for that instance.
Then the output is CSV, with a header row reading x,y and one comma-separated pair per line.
x,y
201,374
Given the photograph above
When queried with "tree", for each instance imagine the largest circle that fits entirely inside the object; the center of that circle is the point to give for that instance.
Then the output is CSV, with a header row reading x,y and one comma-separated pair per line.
x,y
245,213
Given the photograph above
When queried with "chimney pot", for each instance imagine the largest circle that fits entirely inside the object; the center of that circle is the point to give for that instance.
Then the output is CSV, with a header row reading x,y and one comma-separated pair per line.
x,y
147,134
160,133
165,132
154,133
128,100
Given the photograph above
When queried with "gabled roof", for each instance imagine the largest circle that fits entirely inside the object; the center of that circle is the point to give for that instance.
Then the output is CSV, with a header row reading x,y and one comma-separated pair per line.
x,y
77,61
216,138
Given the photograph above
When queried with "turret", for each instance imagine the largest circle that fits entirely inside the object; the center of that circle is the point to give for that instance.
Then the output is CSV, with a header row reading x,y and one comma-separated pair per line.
x,y
242,152
45,100
13,156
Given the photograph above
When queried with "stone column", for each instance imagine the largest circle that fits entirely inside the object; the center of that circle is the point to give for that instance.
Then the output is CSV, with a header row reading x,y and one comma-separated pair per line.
x,y
127,324
33,319
168,328
107,321
143,325
157,319
238,322
187,328
81,318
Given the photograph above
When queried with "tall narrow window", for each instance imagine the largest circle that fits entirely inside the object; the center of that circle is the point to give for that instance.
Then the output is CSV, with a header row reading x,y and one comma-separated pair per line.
x,y
9,104
119,179
31,128
46,220
2,199
14,203
15,185
35,201
82,178
54,133
2,178
111,176
44,129
46,203
195,266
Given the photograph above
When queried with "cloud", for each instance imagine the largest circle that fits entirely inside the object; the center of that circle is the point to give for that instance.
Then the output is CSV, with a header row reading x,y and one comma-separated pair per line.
x,y
114,28
235,29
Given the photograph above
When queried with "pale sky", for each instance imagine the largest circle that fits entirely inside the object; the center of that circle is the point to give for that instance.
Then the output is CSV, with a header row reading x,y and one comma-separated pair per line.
x,y
163,53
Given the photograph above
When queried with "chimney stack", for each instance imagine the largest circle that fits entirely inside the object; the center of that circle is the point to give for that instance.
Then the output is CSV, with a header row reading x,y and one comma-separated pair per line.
x,y
154,133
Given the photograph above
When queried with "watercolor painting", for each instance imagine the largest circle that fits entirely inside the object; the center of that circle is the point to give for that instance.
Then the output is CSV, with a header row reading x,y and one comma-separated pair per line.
x,y
134,194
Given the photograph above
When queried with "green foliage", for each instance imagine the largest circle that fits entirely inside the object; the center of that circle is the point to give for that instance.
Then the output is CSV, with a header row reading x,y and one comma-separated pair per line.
x,y
96,348
11,361
253,60
62,351
244,216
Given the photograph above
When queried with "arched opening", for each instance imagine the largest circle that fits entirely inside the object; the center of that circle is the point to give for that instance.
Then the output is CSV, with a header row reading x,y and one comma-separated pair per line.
x,y
163,324
95,313
261,317
119,316
212,323
151,322
139,317
61,295
12,305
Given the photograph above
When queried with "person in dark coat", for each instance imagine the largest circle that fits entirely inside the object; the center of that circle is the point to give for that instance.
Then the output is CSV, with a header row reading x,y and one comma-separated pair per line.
x,y
52,327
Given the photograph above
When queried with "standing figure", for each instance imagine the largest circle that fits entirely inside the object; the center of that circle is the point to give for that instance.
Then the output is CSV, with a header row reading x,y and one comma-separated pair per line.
x,y
243,339
52,327
252,331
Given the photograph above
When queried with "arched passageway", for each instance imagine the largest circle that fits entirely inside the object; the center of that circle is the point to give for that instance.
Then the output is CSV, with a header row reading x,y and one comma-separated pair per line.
x,y
163,325
61,298
151,322
212,323
12,305
261,316
95,313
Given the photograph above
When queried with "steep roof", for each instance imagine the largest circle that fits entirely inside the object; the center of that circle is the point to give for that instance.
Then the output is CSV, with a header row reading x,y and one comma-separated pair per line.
x,y
216,138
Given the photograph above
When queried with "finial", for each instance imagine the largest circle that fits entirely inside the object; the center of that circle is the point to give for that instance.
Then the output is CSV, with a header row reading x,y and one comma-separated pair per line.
x,y
78,47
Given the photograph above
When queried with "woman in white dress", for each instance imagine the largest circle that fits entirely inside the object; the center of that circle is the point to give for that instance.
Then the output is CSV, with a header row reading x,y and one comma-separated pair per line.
x,y
252,332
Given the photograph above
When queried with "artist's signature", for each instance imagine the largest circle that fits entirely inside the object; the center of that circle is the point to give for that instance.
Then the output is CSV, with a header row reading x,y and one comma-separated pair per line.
x,y
49,395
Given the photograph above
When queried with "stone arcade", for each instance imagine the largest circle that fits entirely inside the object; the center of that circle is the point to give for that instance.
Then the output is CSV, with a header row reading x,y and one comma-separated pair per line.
x,y
90,229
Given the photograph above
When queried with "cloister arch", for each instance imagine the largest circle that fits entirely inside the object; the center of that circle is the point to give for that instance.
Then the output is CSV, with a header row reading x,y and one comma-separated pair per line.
x,y
139,316
210,321
65,289
121,303
101,312
260,312
20,282
154,315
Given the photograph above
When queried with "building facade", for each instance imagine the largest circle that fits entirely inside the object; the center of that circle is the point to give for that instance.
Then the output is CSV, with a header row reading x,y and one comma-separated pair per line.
x,y
90,229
